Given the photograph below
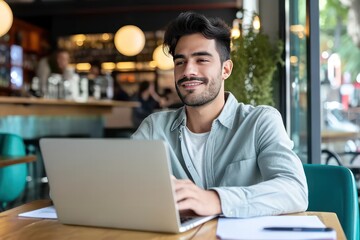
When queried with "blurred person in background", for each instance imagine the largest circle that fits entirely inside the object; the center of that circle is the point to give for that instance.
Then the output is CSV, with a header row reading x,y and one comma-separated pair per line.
x,y
119,93
149,101
57,63
171,99
94,72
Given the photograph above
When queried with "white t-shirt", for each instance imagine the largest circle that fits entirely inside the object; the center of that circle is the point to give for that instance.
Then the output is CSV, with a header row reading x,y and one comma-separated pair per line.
x,y
195,145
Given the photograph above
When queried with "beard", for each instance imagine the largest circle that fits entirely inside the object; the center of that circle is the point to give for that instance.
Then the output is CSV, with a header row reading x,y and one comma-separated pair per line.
x,y
193,99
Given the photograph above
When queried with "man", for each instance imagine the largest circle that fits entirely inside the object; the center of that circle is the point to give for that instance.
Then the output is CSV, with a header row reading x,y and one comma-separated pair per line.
x,y
57,63
227,158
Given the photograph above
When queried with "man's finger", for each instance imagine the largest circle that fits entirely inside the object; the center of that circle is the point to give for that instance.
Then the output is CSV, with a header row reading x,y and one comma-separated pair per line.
x,y
187,204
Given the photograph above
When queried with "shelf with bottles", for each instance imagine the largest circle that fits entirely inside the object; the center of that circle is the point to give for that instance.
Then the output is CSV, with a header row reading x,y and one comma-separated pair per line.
x,y
85,48
11,72
130,71
20,50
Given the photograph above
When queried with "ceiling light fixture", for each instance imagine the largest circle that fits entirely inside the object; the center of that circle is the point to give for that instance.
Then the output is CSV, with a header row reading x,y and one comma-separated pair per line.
x,y
163,61
129,40
6,17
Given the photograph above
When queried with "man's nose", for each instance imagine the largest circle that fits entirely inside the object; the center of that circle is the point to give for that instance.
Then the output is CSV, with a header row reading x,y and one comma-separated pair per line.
x,y
190,69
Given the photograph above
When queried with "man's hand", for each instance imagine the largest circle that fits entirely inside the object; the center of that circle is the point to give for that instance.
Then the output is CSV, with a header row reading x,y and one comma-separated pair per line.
x,y
191,197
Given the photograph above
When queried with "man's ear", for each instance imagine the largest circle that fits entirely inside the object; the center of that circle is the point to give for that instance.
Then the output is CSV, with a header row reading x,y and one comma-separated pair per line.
x,y
226,69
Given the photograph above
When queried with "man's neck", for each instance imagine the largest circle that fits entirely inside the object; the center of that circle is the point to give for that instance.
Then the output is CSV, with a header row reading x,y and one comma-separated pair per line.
x,y
200,119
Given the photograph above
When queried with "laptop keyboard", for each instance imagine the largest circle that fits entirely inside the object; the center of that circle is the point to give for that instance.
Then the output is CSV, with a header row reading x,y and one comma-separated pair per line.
x,y
185,218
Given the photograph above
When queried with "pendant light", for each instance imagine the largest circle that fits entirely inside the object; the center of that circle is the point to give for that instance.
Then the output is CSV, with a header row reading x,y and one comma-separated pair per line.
x,y
163,61
129,40
6,17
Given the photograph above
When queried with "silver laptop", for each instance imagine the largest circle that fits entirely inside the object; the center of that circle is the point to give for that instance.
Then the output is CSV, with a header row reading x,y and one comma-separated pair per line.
x,y
113,183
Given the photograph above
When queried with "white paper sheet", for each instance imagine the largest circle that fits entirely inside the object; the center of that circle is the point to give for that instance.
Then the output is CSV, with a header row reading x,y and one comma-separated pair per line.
x,y
253,228
46,212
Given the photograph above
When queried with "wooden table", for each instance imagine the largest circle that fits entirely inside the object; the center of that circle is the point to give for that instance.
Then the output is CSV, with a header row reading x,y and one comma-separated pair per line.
x,y
337,136
7,161
55,107
14,227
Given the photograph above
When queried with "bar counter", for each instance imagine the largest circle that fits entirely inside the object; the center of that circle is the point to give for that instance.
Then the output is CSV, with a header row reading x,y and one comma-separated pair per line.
x,y
56,107
33,118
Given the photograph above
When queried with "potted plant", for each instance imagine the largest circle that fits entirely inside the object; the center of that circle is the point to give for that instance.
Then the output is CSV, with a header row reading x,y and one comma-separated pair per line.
x,y
255,60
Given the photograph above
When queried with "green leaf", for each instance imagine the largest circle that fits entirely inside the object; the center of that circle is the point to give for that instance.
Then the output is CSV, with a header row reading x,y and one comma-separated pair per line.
x,y
255,60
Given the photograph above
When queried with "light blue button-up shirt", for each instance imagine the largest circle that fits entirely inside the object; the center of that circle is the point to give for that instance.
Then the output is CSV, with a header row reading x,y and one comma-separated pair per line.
x,y
248,160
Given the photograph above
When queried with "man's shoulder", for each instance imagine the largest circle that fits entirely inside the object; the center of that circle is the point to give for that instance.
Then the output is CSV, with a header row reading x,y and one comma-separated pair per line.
x,y
265,109
246,111
247,108
158,124
166,115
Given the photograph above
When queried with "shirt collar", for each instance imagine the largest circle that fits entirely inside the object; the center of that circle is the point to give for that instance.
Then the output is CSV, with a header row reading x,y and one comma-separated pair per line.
x,y
180,119
226,117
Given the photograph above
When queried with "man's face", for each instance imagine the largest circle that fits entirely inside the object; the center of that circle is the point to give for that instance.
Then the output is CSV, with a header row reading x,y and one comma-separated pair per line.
x,y
63,60
198,71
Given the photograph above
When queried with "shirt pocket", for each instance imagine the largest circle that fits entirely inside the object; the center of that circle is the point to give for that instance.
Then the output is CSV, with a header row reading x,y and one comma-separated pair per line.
x,y
242,172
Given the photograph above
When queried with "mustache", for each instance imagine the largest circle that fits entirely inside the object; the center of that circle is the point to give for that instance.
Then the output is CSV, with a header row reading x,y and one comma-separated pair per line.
x,y
186,79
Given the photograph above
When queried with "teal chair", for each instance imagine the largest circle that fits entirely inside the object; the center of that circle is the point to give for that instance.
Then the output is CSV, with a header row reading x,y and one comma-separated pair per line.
x,y
333,189
14,171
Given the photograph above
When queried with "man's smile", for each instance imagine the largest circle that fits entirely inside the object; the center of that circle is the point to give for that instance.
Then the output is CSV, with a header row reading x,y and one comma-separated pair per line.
x,y
191,84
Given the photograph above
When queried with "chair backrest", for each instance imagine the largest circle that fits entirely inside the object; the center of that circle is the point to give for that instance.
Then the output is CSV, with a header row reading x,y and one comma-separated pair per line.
x,y
12,178
333,189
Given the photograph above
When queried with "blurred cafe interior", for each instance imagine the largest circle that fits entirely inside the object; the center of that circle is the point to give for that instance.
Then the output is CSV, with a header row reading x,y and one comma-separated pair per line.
x,y
79,68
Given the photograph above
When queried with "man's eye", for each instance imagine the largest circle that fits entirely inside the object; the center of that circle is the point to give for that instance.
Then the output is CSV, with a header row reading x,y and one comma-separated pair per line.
x,y
203,60
178,63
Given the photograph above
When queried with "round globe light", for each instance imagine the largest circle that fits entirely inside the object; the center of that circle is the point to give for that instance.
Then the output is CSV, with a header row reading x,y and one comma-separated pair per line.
x,y
129,40
6,17
163,61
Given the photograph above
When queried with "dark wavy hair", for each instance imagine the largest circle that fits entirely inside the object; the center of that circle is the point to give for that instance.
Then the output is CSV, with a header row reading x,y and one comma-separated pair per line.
x,y
189,23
